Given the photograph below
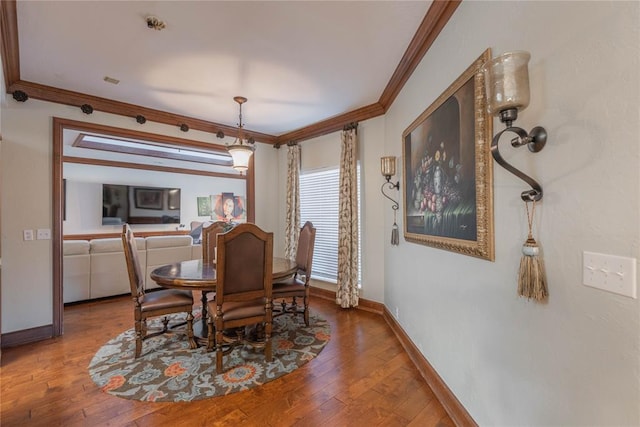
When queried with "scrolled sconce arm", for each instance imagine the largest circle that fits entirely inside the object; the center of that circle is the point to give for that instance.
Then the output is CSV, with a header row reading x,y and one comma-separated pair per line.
x,y
535,141
391,186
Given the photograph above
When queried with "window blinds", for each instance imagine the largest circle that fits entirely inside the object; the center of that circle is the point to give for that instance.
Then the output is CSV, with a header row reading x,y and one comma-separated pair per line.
x,y
319,204
319,201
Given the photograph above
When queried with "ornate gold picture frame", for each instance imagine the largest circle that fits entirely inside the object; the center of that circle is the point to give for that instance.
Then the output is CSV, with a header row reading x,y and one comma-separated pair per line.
x,y
448,170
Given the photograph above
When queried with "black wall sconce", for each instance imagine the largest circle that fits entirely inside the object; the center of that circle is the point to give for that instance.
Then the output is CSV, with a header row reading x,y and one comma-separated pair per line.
x,y
388,169
506,81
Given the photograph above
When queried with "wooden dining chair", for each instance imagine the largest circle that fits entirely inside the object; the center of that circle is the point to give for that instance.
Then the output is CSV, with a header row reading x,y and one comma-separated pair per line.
x,y
152,304
243,291
209,242
297,286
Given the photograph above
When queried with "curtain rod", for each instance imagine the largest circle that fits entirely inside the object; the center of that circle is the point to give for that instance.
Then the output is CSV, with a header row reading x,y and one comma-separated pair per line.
x,y
349,126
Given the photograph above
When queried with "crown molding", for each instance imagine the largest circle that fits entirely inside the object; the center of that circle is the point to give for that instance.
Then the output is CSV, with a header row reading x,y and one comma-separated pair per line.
x,y
434,21
332,124
67,97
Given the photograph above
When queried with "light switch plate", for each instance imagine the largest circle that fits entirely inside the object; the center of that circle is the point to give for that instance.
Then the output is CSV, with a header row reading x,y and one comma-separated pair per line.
x,y
43,234
609,272
27,234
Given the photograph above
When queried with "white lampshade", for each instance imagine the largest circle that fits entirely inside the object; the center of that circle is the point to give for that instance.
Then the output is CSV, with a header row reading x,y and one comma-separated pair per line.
x,y
240,154
240,150
506,80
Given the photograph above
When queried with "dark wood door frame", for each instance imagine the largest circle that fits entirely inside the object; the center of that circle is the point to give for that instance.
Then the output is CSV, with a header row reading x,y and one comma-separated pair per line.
x,y
59,125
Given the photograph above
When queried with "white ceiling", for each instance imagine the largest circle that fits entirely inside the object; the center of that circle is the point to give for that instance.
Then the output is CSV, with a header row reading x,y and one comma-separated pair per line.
x,y
297,62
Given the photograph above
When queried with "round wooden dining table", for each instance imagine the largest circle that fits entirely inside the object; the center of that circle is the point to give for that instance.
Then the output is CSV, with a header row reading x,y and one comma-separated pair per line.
x,y
196,275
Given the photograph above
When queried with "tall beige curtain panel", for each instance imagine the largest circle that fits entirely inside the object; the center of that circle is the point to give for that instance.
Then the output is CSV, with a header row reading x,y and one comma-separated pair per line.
x,y
348,292
292,230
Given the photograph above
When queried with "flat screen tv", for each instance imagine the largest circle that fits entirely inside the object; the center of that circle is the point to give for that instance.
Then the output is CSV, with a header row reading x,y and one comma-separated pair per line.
x,y
135,204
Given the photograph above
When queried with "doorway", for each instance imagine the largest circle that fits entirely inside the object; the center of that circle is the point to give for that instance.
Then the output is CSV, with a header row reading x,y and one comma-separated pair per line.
x,y
61,125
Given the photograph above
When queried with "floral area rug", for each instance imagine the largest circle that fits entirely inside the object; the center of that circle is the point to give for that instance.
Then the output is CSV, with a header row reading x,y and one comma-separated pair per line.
x,y
168,371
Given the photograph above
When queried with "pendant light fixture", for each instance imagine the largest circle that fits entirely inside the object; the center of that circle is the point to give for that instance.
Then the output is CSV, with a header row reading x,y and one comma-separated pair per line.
x,y
241,150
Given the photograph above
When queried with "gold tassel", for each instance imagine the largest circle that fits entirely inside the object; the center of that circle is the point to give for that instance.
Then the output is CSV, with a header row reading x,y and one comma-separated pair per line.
x,y
395,238
532,281
395,234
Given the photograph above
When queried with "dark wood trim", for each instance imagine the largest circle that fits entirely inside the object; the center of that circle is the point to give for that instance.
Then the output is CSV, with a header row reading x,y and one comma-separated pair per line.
x,y
251,191
128,165
56,241
91,236
26,336
77,99
372,306
434,21
449,401
332,124
322,293
9,36
363,304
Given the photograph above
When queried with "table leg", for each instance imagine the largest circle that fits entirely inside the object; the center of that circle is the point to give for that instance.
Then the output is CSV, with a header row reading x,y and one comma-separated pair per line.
x,y
204,306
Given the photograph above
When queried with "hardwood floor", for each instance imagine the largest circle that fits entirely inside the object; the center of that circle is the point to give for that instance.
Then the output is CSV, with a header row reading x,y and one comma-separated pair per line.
x,y
363,377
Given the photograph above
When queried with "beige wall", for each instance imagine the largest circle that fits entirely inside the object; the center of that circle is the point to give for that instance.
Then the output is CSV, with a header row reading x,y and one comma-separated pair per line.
x,y
575,360
266,178
26,202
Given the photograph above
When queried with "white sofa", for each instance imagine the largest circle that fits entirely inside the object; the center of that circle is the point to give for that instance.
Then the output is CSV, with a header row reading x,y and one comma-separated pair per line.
x,y
76,270
163,250
108,267
97,268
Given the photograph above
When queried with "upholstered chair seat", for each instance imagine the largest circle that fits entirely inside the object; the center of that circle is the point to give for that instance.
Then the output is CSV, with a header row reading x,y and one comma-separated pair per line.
x,y
153,304
162,300
240,309
286,292
291,284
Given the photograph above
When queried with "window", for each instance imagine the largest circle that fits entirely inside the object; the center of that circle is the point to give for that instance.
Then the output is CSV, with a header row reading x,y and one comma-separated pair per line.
x,y
319,201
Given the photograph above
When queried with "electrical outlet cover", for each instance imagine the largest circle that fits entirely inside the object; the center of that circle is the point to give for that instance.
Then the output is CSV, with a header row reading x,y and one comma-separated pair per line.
x,y
43,234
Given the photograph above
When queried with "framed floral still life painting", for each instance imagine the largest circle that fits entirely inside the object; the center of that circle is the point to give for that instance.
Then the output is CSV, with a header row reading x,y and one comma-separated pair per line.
x,y
447,170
